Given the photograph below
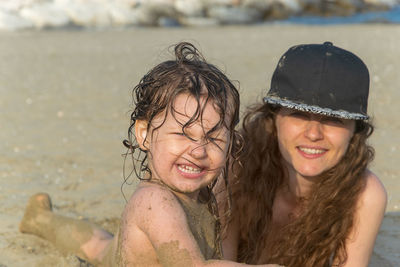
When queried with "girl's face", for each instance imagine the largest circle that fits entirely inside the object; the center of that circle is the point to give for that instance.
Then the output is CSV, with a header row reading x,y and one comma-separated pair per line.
x,y
311,144
185,163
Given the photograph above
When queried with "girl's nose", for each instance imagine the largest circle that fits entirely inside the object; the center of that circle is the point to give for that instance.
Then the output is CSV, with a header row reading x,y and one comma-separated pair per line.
x,y
314,131
198,150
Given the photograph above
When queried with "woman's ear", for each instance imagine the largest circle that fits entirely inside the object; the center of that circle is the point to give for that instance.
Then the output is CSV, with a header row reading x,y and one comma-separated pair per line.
x,y
141,133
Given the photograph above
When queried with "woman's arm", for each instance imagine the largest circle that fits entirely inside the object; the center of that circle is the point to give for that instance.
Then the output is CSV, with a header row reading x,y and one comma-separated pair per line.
x,y
230,237
368,218
230,241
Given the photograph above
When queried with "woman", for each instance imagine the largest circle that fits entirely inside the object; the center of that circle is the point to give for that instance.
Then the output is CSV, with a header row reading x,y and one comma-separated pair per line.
x,y
302,195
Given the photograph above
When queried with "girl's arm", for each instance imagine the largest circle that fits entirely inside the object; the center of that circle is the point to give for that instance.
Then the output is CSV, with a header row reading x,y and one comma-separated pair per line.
x,y
368,218
161,218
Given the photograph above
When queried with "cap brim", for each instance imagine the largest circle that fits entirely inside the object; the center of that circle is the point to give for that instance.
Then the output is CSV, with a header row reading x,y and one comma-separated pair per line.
x,y
314,109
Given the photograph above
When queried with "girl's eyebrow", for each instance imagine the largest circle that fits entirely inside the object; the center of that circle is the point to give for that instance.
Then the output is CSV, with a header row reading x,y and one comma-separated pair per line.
x,y
183,114
188,117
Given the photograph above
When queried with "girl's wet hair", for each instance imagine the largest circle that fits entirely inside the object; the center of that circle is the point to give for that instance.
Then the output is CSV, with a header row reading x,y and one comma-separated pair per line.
x,y
188,73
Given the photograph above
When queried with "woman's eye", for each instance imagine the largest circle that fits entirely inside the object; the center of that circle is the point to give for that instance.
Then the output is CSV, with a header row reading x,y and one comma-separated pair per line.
x,y
300,115
333,120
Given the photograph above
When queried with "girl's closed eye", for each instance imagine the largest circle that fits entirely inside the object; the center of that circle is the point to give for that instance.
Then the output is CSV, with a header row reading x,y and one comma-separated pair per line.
x,y
178,133
217,141
182,134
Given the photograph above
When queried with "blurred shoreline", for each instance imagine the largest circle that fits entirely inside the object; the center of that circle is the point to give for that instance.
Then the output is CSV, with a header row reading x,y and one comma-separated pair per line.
x,y
65,107
106,14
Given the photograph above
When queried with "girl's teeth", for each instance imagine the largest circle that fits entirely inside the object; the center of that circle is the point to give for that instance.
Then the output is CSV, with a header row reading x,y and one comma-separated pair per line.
x,y
311,150
188,169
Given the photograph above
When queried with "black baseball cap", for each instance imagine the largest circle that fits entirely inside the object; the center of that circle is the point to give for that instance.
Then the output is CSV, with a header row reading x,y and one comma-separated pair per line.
x,y
322,79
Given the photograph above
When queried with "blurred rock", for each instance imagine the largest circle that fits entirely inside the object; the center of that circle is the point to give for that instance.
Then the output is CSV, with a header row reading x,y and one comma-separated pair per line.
x,y
130,3
45,15
262,5
16,5
11,22
381,4
281,9
344,7
235,15
190,8
292,6
332,7
198,21
211,3
86,13
149,13
122,14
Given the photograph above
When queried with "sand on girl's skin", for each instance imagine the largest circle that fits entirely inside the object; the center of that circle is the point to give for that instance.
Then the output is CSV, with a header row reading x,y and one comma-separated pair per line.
x,y
64,105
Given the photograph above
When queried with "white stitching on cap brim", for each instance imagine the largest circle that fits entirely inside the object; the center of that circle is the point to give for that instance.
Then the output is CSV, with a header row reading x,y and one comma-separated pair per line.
x,y
315,109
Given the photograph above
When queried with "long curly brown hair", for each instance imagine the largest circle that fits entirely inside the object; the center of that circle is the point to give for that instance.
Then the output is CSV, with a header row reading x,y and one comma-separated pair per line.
x,y
319,233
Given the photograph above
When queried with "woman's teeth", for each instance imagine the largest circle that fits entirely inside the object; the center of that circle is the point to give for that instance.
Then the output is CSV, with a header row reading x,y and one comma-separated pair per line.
x,y
312,151
188,169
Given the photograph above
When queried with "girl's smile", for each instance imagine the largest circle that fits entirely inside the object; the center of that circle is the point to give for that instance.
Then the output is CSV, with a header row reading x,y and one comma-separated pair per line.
x,y
190,171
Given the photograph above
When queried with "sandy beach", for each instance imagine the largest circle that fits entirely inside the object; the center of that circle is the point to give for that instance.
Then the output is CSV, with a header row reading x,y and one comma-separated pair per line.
x,y
65,102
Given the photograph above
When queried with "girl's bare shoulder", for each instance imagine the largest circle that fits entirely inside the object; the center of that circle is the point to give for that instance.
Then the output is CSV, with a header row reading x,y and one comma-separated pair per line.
x,y
151,196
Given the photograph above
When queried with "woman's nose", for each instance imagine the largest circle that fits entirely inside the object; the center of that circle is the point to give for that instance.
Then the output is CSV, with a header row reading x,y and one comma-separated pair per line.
x,y
314,131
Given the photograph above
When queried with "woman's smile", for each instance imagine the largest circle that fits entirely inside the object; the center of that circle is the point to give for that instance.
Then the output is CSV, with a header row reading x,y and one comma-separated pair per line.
x,y
311,152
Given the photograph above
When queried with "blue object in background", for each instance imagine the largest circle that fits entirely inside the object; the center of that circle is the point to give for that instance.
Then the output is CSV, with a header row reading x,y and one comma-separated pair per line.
x,y
390,16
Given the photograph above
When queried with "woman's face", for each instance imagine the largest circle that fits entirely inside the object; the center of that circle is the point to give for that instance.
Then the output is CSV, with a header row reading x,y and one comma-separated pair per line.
x,y
311,144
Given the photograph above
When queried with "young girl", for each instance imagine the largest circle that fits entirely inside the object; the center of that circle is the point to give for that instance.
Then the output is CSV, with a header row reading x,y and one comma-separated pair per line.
x,y
183,123
303,195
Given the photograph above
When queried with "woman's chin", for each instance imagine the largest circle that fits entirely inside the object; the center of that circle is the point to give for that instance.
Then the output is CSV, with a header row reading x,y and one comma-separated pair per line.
x,y
310,173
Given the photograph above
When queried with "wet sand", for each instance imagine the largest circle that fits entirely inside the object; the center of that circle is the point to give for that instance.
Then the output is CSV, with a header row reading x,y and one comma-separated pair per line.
x,y
65,102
